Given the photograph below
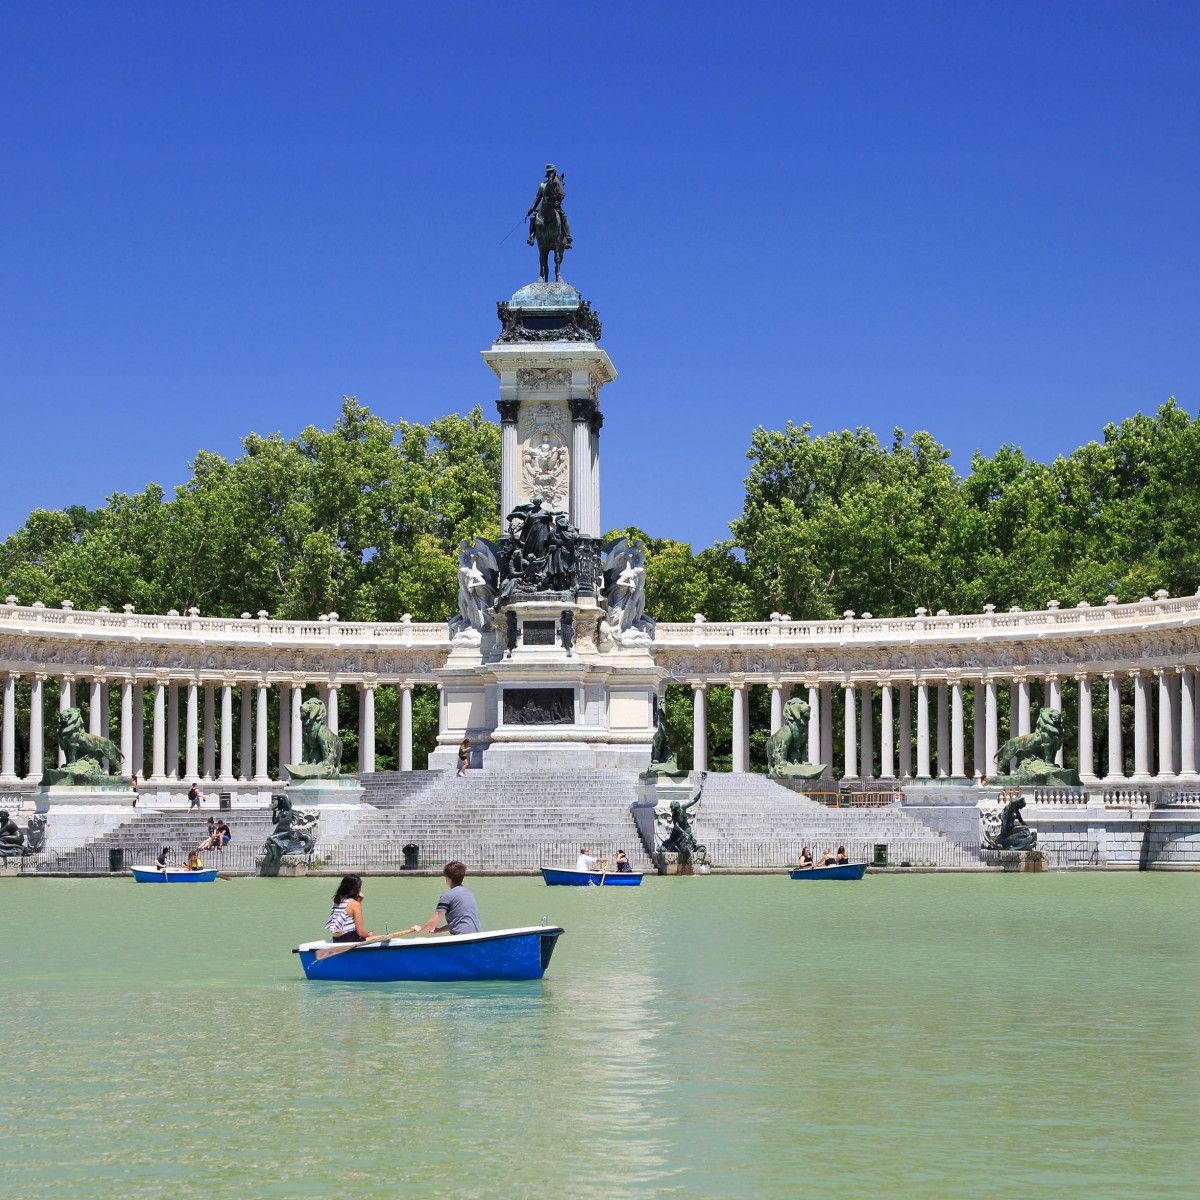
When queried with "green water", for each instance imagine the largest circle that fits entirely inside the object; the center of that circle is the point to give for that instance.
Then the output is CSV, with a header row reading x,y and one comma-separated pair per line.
x,y
953,1035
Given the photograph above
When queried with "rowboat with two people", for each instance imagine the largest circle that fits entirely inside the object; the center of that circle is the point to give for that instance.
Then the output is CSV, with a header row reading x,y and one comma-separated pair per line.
x,y
585,874
172,875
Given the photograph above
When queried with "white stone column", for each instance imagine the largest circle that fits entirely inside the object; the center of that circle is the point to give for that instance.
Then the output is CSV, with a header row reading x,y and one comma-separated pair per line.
x,y
866,758
814,724
978,731
296,739
331,706
943,732
887,733
126,727
1116,753
173,731
65,690
210,732
37,733
776,707
905,756
1176,721
1141,726
596,422
261,765
991,717
192,732
1023,723
922,730
958,749
741,734
226,732
159,735
406,728
1052,698
1014,719
509,466
366,730
1087,761
8,740
285,728
850,734
139,730
1166,731
94,708
827,729
581,466
105,725
699,727
244,739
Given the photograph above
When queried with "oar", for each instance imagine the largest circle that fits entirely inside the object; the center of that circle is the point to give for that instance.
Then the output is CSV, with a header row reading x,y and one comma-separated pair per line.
x,y
330,951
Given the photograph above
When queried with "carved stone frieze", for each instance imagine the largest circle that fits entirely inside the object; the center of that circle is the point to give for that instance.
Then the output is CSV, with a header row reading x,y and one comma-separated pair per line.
x,y
542,379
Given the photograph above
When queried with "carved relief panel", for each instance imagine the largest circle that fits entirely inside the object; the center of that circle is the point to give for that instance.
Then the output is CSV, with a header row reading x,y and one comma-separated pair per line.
x,y
544,441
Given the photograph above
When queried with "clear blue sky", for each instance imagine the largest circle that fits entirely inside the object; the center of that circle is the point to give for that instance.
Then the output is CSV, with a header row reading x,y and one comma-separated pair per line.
x,y
977,219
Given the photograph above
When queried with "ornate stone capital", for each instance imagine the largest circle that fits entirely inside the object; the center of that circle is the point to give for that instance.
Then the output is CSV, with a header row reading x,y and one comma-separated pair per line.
x,y
595,421
508,410
581,410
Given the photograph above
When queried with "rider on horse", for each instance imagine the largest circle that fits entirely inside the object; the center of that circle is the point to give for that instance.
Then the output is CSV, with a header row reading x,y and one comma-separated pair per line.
x,y
550,197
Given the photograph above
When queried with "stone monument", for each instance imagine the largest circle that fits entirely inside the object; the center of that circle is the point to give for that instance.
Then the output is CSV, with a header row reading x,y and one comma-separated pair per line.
x,y
290,844
1029,759
316,781
787,747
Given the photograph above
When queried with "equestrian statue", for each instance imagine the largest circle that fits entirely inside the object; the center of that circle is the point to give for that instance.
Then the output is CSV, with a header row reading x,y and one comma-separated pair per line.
x,y
548,224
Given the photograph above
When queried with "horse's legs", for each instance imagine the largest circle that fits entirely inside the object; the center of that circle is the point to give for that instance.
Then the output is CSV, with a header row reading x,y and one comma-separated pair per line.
x,y
558,266
544,272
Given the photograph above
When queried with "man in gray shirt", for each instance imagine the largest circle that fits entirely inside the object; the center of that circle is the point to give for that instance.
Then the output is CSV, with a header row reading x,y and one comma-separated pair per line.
x,y
457,906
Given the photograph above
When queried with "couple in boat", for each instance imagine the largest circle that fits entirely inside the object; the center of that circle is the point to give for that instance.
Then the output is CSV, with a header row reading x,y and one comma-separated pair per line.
x,y
456,911
585,862
828,859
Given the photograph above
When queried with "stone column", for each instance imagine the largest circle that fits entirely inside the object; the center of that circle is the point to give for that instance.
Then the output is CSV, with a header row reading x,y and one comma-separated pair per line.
x,y
905,757
509,466
331,706
126,727
1023,725
105,725
850,737
210,732
139,730
943,732
366,730
37,733
1053,699
922,730
1187,724
94,708
260,734
866,761
173,731
8,741
741,734
159,735
244,740
699,727
1087,763
64,702
827,730
296,738
776,707
1141,726
958,750
887,734
406,730
581,465
1014,720
226,732
1166,730
978,731
991,717
596,422
192,735
1116,753
285,728
814,724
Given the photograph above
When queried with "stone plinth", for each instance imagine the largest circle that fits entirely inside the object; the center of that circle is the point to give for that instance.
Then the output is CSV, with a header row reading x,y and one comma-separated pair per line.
x,y
76,815
10,868
289,866
340,802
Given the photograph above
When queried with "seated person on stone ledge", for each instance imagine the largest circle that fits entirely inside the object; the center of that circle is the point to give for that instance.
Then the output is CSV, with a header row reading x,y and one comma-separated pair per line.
x,y
806,859
457,905
585,862
163,861
224,834
623,862
842,858
193,861
207,844
345,922
826,859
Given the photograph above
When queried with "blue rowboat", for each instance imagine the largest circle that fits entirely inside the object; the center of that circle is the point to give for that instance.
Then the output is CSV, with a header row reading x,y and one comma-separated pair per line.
x,y
845,871
560,877
172,875
504,954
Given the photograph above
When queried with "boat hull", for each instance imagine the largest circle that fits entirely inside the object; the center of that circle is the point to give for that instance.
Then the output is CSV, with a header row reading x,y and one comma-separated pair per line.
x,y
560,877
502,955
172,875
845,871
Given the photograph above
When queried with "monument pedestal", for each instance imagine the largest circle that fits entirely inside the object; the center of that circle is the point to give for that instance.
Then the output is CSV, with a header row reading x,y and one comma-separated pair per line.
x,y
77,814
339,801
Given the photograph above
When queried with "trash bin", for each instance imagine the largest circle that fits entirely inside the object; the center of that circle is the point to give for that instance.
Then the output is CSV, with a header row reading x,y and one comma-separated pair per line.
x,y
411,851
224,801
880,854
116,858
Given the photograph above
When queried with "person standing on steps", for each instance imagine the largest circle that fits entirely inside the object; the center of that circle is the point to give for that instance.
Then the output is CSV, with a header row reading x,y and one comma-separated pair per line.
x,y
464,758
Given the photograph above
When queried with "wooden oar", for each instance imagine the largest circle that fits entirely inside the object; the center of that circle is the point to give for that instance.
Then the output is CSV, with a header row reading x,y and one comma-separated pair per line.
x,y
330,951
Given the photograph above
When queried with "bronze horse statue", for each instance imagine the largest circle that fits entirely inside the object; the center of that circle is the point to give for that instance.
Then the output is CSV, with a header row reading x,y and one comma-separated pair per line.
x,y
548,227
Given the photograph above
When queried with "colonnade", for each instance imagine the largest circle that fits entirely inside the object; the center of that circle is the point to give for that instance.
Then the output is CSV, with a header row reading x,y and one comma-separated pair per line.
x,y
1166,723
193,706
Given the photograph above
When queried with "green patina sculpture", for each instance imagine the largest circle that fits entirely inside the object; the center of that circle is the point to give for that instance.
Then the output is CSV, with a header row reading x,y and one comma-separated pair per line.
x,y
82,753
321,748
1013,833
662,759
12,840
787,747
681,839
294,832
1029,759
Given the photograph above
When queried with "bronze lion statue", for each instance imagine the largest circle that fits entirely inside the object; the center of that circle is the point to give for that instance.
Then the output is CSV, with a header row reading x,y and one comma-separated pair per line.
x,y
787,747
82,753
320,747
1041,745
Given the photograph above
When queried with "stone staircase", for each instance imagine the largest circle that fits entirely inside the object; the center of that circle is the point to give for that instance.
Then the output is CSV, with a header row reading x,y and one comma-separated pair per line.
x,y
146,833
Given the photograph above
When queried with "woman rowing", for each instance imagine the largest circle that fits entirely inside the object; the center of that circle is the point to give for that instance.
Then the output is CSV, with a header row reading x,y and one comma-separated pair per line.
x,y
345,922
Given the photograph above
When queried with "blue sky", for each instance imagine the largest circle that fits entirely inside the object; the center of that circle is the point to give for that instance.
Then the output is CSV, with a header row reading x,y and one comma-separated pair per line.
x,y
977,219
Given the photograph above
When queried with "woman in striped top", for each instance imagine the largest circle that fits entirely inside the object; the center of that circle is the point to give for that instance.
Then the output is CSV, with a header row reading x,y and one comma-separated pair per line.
x,y
345,922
